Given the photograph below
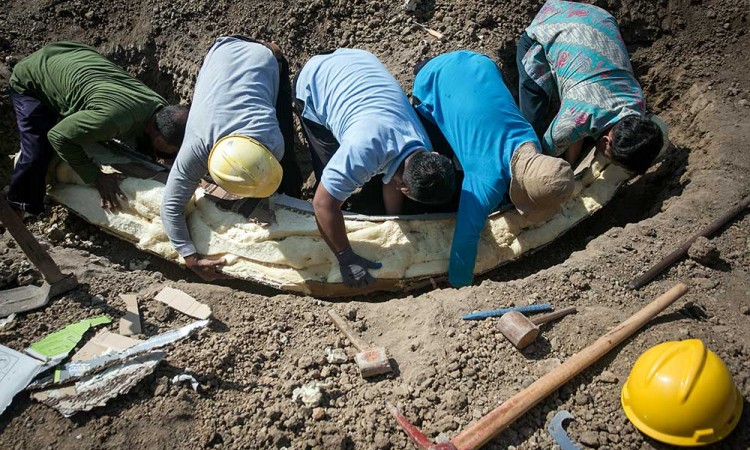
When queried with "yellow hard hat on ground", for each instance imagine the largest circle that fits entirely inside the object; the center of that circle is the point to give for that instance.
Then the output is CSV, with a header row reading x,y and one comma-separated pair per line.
x,y
681,393
243,166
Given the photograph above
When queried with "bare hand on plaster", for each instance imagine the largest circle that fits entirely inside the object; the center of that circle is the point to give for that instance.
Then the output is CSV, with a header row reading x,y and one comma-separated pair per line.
x,y
108,185
206,268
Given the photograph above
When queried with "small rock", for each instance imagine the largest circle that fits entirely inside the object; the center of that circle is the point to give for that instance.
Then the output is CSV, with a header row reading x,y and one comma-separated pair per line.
x,y
305,362
382,441
704,252
454,399
351,313
336,355
579,281
590,439
318,413
411,5
309,395
162,387
581,398
162,313
608,377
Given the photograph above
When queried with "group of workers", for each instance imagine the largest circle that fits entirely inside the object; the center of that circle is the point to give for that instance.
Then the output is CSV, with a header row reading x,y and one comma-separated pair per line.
x,y
358,123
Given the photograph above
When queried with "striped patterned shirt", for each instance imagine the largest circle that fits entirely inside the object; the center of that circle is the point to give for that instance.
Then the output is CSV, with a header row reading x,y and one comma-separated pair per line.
x,y
578,49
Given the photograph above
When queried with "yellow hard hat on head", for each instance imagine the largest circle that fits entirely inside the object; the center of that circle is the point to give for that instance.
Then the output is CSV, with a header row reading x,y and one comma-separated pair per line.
x,y
681,393
243,166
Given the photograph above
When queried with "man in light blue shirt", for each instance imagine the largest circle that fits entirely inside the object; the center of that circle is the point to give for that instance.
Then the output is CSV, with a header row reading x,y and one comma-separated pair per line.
x,y
463,94
359,123
236,93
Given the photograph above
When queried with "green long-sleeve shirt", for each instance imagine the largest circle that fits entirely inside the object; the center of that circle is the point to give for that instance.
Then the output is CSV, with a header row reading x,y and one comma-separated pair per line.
x,y
96,99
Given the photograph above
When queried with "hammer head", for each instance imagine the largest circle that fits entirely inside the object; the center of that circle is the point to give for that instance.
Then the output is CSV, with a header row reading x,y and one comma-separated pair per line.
x,y
518,329
373,361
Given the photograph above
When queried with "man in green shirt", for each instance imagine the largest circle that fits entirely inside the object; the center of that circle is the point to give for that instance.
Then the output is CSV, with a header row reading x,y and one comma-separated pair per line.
x,y
67,95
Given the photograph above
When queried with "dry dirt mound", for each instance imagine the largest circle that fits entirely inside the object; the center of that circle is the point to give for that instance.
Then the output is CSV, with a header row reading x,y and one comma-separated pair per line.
x,y
692,58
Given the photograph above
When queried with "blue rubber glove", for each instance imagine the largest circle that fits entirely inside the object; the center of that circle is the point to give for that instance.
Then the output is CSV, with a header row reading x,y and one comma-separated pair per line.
x,y
354,268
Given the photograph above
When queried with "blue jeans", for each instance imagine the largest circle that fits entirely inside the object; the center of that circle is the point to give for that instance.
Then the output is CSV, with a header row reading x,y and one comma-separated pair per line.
x,y
533,102
28,183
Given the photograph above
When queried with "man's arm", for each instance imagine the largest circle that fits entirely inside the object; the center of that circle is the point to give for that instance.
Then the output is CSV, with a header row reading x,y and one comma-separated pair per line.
x,y
474,208
86,127
573,153
566,134
330,220
183,179
331,225
393,198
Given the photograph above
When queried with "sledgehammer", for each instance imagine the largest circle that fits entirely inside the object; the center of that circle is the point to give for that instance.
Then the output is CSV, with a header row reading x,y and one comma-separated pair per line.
x,y
521,331
370,360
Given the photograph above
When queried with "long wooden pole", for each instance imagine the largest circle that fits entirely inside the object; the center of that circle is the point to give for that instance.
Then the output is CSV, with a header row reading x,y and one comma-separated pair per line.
x,y
489,426
28,243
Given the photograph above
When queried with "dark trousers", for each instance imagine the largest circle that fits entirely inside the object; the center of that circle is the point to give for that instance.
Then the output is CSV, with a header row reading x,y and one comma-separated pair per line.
x,y
320,139
533,102
291,181
28,182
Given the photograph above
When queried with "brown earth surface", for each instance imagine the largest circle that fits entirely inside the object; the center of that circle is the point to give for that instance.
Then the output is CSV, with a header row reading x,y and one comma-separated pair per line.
x,y
693,60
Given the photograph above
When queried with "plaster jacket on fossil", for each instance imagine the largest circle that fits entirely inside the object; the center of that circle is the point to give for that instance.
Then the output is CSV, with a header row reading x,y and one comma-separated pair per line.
x,y
289,254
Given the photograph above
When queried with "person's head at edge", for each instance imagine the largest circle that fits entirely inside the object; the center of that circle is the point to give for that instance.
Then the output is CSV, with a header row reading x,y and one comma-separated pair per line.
x,y
166,129
634,143
427,177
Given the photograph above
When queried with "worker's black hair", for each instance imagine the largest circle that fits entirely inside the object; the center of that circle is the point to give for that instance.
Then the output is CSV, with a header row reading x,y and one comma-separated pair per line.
x,y
430,178
170,122
636,143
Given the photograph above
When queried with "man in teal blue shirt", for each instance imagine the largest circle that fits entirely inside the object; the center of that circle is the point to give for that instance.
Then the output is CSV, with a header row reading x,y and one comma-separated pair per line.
x,y
463,94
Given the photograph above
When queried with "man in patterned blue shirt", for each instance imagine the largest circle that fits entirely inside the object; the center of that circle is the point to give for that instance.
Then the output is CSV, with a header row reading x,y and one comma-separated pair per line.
x,y
575,50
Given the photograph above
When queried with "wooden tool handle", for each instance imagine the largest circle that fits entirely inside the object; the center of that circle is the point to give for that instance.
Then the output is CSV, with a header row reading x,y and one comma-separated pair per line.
x,y
489,426
678,253
541,320
343,325
28,243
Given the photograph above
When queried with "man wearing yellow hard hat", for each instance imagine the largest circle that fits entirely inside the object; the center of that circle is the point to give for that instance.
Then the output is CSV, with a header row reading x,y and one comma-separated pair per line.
x,y
359,124
240,127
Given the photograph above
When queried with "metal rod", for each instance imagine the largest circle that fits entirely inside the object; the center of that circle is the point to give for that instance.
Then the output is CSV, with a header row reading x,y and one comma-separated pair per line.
x,y
499,312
